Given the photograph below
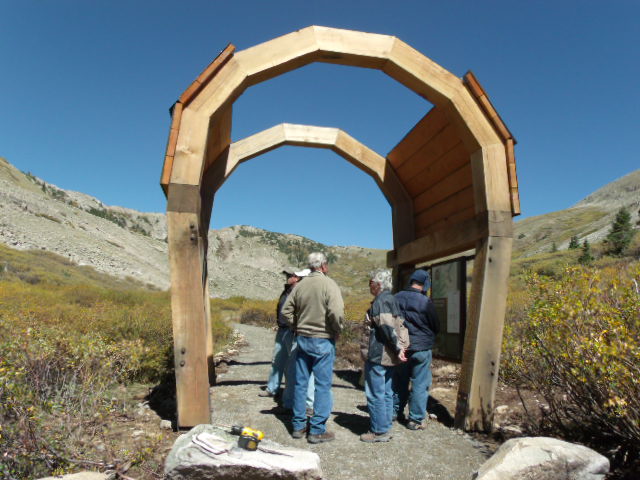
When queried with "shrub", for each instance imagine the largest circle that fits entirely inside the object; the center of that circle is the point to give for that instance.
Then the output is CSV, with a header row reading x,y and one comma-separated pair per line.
x,y
578,344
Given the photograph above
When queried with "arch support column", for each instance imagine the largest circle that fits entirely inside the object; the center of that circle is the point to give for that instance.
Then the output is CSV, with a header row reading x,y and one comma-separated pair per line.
x,y
483,339
187,260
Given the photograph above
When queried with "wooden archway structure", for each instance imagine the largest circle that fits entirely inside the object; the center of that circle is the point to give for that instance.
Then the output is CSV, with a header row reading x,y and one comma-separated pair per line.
x,y
451,182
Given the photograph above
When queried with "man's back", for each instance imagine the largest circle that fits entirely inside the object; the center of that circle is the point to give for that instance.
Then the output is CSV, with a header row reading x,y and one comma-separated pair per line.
x,y
316,307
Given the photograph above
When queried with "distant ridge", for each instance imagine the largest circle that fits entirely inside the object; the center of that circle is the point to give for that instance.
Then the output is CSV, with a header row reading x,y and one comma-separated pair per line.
x,y
588,219
243,260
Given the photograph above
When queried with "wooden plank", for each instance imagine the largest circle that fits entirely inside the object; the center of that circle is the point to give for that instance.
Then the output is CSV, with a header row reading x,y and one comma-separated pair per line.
x,y
348,47
224,88
460,216
455,203
453,183
206,200
483,338
513,177
428,126
279,55
439,145
207,74
219,136
439,243
420,74
438,169
361,156
490,180
188,162
480,94
176,116
188,316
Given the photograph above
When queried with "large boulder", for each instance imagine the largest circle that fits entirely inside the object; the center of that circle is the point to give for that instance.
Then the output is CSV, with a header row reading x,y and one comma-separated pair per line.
x,y
543,458
81,476
208,452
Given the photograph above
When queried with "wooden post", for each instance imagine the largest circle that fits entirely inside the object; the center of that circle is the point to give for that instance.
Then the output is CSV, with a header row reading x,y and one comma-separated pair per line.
x,y
483,339
187,305
206,197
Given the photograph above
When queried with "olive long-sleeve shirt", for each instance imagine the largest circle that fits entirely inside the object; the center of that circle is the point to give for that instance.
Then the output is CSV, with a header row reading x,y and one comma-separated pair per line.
x,y
315,307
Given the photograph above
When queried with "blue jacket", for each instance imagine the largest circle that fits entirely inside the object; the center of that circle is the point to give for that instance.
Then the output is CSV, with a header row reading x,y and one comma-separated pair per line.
x,y
420,318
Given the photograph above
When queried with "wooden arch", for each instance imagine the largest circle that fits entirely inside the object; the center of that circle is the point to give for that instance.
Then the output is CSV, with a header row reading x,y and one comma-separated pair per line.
x,y
453,178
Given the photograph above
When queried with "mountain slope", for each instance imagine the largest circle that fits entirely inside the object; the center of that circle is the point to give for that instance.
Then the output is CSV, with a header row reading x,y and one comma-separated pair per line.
x,y
589,219
242,260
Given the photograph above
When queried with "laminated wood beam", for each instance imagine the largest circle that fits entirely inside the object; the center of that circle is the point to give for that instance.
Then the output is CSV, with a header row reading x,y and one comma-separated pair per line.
x,y
205,77
483,337
188,317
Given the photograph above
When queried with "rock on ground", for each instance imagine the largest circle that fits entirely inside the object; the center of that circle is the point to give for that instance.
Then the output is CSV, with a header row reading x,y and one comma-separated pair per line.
x,y
80,476
543,458
208,452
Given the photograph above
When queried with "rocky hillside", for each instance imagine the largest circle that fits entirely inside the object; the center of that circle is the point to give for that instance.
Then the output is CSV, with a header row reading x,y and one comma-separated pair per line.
x,y
589,219
243,260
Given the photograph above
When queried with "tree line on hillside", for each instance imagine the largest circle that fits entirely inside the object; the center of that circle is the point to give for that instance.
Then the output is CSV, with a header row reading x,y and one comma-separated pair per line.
x,y
616,243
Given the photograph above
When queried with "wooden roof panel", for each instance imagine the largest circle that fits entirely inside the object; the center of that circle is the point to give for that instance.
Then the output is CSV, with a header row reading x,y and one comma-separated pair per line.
x,y
428,126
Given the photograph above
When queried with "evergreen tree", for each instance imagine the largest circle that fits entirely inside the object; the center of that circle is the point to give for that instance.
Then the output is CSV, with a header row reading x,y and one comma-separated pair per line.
x,y
585,258
621,233
573,243
554,247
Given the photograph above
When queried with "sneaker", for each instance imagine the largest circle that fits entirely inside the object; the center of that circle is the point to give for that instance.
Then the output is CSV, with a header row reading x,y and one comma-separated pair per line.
x,y
297,434
371,437
415,425
266,393
321,437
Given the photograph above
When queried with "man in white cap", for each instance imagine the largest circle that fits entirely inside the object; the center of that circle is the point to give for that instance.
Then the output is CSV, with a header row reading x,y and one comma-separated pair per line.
x,y
284,336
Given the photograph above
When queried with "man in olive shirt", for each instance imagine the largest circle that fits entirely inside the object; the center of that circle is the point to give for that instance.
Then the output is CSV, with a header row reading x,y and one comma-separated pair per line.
x,y
316,311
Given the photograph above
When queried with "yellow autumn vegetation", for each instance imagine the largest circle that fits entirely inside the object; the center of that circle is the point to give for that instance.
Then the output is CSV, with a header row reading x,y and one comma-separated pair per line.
x,y
575,339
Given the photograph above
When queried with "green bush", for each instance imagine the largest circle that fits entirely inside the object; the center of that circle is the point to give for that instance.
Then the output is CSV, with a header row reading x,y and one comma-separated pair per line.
x,y
578,344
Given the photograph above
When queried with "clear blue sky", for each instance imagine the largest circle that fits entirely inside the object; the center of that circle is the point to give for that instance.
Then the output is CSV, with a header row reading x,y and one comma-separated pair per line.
x,y
86,87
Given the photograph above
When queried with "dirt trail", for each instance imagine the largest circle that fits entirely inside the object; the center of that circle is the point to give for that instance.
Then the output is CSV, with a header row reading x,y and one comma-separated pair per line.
x,y
437,452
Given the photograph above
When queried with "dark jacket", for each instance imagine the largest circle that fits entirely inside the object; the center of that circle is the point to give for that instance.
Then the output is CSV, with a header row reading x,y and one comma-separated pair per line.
x,y
282,321
420,318
384,335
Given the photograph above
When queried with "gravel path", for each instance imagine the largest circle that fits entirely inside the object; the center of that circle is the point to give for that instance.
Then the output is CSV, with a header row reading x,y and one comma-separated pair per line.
x,y
437,452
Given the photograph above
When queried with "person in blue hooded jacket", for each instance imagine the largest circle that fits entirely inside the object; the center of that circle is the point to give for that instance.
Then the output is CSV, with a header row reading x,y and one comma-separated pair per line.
x,y
421,321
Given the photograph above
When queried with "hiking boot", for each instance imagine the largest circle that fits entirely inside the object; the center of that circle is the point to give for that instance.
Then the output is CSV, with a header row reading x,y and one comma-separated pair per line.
x,y
371,437
400,418
266,393
297,434
415,425
321,437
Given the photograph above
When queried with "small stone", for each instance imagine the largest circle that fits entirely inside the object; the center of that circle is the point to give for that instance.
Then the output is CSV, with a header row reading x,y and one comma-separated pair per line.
x,y
502,409
165,425
137,433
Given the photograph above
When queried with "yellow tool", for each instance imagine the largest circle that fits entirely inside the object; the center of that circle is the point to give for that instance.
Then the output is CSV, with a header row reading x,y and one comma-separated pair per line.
x,y
249,437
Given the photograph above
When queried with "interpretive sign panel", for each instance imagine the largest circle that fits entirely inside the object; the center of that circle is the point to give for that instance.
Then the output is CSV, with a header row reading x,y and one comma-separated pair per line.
x,y
448,292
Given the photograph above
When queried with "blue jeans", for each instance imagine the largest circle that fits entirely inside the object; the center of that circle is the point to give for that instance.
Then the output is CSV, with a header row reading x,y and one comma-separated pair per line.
x,y
281,350
314,355
378,381
417,370
287,395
